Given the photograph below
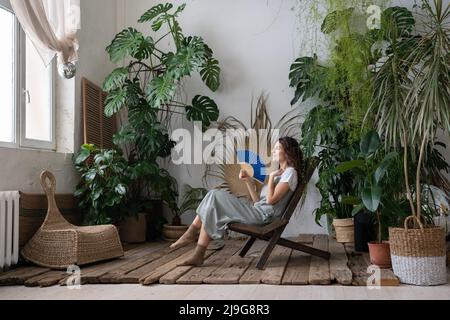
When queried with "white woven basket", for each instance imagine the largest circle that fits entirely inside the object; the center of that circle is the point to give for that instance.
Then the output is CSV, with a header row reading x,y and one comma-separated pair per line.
x,y
419,255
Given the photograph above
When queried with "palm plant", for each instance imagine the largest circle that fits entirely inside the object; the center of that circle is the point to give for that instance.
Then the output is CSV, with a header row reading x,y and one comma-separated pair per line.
x,y
412,92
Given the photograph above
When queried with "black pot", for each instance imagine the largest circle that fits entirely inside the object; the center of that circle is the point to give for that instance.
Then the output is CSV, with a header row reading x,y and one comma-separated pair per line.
x,y
364,231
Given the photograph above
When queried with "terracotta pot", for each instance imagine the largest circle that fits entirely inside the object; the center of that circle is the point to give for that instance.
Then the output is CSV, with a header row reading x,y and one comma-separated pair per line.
x,y
380,254
134,229
345,230
173,233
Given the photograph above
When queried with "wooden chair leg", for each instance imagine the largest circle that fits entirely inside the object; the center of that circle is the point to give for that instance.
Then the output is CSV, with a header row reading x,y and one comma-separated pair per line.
x,y
272,243
247,246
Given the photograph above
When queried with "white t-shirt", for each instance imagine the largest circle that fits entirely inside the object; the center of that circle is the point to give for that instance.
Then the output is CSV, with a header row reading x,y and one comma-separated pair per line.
x,y
289,176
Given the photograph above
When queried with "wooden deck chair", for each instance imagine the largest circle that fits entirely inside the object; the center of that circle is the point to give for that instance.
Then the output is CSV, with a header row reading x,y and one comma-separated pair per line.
x,y
272,232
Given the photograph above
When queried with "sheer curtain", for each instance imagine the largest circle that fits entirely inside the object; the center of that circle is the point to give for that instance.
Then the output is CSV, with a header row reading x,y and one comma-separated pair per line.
x,y
52,27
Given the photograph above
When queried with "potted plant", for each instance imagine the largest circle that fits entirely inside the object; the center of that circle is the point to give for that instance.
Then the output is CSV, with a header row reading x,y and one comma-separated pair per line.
x,y
324,128
145,91
103,185
332,128
410,104
372,189
191,200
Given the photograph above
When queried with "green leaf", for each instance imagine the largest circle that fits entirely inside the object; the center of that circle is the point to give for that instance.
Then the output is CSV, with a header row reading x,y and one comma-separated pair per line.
x,y
90,175
180,9
189,58
397,22
116,79
371,198
307,76
299,70
130,42
161,90
331,22
370,143
96,194
352,200
349,165
357,209
382,169
121,189
203,109
211,74
84,153
115,101
177,34
125,135
155,11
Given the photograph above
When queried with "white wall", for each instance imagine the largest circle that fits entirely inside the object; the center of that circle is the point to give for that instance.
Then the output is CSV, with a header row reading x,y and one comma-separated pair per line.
x,y
20,169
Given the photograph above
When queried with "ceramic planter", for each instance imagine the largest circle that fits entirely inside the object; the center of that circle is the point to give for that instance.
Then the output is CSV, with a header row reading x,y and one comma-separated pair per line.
x,y
345,230
380,254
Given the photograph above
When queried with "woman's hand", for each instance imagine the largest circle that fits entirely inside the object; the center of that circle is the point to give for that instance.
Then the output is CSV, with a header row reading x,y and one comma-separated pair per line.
x,y
243,176
277,173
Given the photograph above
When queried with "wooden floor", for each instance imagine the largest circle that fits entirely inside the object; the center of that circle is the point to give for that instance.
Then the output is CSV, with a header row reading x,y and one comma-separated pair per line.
x,y
155,263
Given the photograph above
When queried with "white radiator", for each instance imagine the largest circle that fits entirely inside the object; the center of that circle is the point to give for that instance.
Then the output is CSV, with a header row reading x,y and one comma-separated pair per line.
x,y
9,229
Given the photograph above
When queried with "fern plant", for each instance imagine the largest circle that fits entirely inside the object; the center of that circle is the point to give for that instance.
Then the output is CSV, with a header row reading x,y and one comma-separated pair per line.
x,y
145,89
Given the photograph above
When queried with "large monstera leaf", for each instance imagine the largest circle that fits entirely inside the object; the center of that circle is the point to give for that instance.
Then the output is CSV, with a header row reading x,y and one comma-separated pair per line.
x,y
189,58
155,11
203,109
116,79
331,22
160,14
130,42
211,74
127,94
161,90
397,22
305,76
115,101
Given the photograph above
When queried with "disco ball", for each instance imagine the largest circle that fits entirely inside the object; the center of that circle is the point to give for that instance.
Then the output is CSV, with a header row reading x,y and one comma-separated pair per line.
x,y
67,70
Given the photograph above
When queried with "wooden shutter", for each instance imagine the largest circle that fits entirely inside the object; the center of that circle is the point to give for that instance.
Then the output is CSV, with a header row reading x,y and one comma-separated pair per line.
x,y
98,129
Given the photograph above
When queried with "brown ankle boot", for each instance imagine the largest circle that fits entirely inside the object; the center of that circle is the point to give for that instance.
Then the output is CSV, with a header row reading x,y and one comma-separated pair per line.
x,y
188,237
197,258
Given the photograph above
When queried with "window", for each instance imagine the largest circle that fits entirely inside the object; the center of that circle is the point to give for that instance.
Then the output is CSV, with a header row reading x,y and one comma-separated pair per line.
x,y
7,76
27,85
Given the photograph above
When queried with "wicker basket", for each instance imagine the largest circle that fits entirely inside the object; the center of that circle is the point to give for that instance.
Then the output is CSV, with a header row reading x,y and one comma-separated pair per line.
x,y
418,255
58,244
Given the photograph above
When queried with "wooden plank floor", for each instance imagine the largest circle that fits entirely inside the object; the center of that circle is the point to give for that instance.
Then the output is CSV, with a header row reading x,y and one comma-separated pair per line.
x,y
152,263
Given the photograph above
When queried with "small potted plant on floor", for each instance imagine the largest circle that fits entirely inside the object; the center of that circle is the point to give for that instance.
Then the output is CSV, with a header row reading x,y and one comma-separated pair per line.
x,y
191,200
372,189
103,184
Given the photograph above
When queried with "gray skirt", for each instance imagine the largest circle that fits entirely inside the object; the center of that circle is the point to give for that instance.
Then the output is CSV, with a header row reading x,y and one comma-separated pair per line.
x,y
219,208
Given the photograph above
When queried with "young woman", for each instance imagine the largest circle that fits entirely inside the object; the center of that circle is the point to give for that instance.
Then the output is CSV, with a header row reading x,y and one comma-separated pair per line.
x,y
219,207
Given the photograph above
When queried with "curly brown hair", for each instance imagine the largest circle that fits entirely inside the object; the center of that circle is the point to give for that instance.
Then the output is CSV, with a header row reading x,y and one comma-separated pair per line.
x,y
293,153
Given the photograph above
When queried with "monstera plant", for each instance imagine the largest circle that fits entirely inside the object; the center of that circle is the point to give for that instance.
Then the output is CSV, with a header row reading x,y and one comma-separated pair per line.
x,y
146,89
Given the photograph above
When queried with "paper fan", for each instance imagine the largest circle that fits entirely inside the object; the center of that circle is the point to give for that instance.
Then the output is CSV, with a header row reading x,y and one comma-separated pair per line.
x,y
253,164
